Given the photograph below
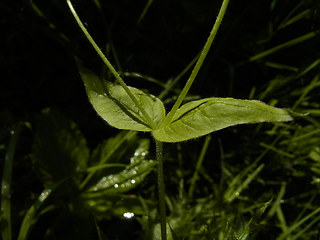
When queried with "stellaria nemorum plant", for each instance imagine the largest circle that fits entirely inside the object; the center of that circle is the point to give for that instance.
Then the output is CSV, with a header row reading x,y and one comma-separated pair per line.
x,y
129,108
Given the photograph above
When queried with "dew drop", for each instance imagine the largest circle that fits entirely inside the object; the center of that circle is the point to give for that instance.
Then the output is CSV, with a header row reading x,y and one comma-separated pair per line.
x,y
128,215
44,195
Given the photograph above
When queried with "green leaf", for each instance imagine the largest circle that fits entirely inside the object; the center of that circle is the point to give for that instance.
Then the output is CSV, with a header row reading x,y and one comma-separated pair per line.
x,y
116,107
125,180
60,150
113,149
130,177
202,117
107,193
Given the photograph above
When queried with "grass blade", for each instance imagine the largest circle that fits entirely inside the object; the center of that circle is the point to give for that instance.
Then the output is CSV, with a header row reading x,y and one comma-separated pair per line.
x,y
277,202
198,167
238,184
101,235
284,45
30,218
6,231
145,10
296,225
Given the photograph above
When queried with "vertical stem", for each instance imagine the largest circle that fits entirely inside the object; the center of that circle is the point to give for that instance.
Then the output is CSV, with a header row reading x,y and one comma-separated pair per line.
x,y
162,206
199,63
110,67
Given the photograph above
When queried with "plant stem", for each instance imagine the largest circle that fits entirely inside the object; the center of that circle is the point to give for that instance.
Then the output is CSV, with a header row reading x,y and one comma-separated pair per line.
x,y
162,206
109,65
199,63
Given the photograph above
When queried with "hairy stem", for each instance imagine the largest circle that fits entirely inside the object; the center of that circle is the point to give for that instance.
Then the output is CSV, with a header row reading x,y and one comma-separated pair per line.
x,y
109,65
162,206
199,63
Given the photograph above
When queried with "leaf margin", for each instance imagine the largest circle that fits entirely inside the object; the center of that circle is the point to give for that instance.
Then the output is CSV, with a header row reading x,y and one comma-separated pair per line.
x,y
121,112
174,132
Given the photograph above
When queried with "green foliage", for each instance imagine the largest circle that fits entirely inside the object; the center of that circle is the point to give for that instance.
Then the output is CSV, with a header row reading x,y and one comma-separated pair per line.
x,y
198,118
62,162
33,215
129,108
60,149
115,106
80,179
5,210
191,120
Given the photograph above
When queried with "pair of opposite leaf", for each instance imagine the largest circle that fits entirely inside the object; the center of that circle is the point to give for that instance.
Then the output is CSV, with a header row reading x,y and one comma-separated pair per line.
x,y
191,120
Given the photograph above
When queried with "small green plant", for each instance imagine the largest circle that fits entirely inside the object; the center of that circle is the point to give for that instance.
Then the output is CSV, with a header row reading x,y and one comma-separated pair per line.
x,y
129,108
97,181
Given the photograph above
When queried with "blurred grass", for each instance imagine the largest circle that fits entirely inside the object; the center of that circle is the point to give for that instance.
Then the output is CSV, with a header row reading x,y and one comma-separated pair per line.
x,y
6,185
284,45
